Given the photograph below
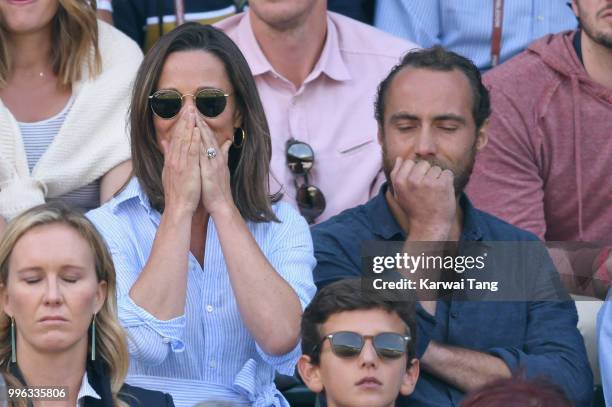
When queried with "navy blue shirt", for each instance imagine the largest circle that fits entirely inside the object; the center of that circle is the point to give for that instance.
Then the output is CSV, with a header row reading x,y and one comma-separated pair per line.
x,y
362,10
539,337
144,20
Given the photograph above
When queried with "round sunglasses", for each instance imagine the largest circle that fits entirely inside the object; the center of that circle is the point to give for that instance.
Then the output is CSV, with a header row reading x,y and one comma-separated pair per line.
x,y
388,345
167,103
310,199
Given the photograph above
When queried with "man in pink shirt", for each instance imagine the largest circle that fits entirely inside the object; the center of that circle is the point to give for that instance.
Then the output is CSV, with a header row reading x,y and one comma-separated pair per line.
x,y
317,72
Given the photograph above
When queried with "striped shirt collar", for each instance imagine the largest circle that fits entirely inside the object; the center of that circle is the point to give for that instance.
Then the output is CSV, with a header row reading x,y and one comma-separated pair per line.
x,y
130,192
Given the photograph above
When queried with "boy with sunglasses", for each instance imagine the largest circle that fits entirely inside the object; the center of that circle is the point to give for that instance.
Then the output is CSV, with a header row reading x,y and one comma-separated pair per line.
x,y
358,348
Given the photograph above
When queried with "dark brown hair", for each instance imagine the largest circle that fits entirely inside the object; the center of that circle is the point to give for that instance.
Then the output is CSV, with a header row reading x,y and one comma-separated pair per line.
x,y
249,165
348,295
438,59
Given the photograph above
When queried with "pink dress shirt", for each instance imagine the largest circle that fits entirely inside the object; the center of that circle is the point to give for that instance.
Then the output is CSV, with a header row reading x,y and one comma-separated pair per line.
x,y
333,110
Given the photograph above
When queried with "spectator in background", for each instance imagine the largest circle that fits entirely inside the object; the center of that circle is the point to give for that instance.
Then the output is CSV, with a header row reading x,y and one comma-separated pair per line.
x,y
316,72
212,276
58,313
64,95
467,27
518,392
431,110
142,19
145,20
546,168
358,348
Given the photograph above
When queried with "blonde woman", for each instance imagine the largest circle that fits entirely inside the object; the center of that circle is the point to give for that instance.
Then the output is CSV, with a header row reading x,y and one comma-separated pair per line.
x,y
58,312
65,80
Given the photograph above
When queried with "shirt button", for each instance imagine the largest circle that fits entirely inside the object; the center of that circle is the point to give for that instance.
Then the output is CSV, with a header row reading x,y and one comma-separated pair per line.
x,y
209,308
540,18
212,364
453,314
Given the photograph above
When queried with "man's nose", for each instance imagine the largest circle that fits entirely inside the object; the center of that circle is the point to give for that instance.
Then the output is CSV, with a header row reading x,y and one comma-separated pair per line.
x,y
425,144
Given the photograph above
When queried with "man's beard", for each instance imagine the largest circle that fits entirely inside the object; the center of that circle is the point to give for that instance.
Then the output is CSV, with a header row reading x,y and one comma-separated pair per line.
x,y
461,174
599,37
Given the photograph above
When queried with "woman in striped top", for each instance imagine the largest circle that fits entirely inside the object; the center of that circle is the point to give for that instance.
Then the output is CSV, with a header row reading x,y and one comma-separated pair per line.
x,y
212,275
65,80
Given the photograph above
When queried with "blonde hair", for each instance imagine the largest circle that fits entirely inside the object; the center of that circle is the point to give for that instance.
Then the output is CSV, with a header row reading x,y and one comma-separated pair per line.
x,y
111,342
74,41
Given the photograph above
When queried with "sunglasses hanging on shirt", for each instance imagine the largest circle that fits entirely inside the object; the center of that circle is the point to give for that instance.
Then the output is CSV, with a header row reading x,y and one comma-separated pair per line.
x,y
300,160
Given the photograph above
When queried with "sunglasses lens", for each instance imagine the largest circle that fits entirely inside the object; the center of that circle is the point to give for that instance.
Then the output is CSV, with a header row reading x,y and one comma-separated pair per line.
x,y
300,158
390,345
346,344
166,104
311,201
211,102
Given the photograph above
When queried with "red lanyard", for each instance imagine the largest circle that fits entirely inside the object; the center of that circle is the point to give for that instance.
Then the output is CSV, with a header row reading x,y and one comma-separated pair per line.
x,y
496,38
179,11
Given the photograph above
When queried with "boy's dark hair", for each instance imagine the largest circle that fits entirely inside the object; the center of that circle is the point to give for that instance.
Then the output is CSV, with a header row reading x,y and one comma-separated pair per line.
x,y
348,295
438,59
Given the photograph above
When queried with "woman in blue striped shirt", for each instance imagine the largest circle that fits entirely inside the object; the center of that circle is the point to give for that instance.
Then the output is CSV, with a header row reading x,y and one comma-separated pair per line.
x,y
213,276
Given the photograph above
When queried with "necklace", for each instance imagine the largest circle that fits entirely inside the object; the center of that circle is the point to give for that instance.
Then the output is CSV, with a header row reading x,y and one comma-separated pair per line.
x,y
40,74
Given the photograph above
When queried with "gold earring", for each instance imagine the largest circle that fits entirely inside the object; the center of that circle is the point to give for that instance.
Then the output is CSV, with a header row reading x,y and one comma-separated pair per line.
x,y
242,137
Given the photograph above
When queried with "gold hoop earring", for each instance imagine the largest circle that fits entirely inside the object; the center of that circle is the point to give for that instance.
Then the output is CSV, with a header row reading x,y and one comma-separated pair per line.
x,y
241,137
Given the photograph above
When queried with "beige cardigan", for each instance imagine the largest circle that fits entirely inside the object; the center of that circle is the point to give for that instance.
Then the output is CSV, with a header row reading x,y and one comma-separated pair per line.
x,y
93,139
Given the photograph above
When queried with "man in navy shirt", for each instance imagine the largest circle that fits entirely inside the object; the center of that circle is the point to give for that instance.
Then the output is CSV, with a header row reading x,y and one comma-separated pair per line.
x,y
432,112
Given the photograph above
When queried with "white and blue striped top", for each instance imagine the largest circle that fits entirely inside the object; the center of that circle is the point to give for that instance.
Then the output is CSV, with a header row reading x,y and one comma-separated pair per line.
x,y
37,137
466,26
207,353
